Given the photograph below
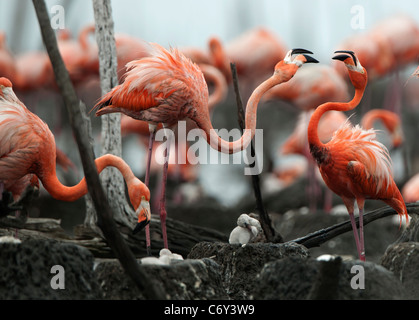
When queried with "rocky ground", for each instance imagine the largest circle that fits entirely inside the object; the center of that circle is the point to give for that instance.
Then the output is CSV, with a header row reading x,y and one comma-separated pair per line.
x,y
216,270
211,268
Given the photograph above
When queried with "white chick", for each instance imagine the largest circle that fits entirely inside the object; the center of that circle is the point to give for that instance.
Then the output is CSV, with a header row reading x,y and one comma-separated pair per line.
x,y
164,259
9,239
247,229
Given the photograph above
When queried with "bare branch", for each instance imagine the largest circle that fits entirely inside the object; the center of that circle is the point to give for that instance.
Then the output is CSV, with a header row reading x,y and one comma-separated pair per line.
x,y
319,237
105,219
266,223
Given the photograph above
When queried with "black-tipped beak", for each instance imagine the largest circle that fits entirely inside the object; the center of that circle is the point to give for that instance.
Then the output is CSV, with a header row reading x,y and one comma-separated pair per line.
x,y
300,51
140,226
310,59
347,52
341,57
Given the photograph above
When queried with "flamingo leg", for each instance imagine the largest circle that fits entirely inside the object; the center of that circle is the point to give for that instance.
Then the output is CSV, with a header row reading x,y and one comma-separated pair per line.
x,y
312,187
361,230
349,203
163,212
355,230
328,200
147,181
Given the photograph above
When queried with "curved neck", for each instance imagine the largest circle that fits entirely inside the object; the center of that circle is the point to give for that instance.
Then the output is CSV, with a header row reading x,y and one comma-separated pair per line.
x,y
213,75
83,36
313,137
61,192
369,118
216,142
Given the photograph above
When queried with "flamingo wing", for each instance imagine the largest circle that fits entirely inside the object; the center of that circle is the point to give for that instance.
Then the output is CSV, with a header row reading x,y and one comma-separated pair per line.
x,y
21,136
157,88
361,177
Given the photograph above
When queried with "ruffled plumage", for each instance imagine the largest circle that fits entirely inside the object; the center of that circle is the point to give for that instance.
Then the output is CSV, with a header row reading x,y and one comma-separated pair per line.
x,y
367,150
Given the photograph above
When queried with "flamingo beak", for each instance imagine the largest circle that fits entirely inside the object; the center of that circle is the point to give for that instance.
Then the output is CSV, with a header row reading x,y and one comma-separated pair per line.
x,y
309,59
341,57
347,52
144,216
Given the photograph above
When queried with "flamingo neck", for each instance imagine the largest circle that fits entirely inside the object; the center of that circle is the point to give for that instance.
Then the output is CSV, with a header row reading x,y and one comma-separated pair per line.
x,y
61,192
83,37
313,137
371,116
220,85
216,142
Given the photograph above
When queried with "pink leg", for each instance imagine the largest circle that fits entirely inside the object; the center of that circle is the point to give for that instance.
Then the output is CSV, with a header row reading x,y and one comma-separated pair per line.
x,y
312,185
361,229
349,203
354,228
328,200
147,182
163,212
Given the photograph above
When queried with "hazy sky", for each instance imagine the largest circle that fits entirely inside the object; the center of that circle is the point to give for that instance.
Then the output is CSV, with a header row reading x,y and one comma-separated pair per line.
x,y
317,25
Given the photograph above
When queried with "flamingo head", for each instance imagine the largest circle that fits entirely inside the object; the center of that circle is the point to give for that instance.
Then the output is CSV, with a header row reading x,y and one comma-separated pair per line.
x,y
293,60
392,122
139,195
357,72
5,86
219,57
397,137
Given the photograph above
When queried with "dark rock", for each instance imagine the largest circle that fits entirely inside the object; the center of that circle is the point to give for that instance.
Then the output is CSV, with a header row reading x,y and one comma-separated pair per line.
x,y
403,260
301,279
240,265
181,280
25,271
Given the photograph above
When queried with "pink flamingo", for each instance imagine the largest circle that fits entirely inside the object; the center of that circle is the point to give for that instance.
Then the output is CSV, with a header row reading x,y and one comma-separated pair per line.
x,y
28,148
354,165
166,87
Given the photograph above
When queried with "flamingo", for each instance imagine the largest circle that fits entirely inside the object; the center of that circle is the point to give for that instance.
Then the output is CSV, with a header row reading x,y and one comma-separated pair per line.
x,y
80,57
186,171
91,60
28,148
311,87
266,50
410,190
402,34
390,120
166,87
332,121
34,71
297,144
392,43
18,187
128,48
354,165
374,52
215,56
7,62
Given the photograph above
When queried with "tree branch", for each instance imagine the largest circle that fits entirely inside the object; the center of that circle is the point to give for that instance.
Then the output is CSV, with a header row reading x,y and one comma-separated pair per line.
x,y
266,223
319,237
81,132
111,123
